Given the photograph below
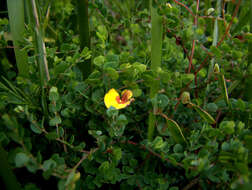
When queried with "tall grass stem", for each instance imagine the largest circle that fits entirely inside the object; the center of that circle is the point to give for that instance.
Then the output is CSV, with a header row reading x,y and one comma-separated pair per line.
x,y
83,26
17,27
156,54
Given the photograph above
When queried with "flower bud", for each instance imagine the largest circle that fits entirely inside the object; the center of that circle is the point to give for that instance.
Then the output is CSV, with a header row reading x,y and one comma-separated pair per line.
x,y
185,98
216,69
168,5
19,109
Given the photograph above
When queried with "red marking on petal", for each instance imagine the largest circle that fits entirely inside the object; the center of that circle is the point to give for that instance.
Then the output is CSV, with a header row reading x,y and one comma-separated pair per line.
x,y
125,97
118,99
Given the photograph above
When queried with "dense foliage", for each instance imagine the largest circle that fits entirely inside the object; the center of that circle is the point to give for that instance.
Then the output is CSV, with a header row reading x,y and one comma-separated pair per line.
x,y
57,131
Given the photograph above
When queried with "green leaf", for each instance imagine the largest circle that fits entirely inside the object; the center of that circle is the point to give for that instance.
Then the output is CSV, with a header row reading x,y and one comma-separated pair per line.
x,y
112,73
55,121
241,104
206,116
99,61
163,129
104,167
52,135
162,100
53,94
97,95
178,148
212,107
186,78
72,178
158,143
117,152
139,67
216,51
165,77
49,164
122,120
137,92
228,127
112,112
175,130
35,129
21,159
248,141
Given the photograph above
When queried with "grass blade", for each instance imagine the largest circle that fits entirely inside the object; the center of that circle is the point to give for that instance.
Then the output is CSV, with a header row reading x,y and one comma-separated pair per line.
x,y
39,50
17,27
40,46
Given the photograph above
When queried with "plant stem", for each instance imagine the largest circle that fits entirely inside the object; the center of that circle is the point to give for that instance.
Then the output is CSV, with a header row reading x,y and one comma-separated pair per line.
x,y
215,40
156,53
40,46
193,43
39,50
17,26
83,25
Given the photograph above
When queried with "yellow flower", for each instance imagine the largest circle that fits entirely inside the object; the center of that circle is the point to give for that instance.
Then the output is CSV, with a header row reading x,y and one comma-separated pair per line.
x,y
112,98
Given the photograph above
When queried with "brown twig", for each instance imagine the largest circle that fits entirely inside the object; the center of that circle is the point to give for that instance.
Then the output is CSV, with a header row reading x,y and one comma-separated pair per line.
x,y
83,158
223,15
191,184
180,43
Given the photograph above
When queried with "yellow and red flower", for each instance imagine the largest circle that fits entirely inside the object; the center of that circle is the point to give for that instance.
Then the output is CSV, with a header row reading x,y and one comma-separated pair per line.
x,y
112,98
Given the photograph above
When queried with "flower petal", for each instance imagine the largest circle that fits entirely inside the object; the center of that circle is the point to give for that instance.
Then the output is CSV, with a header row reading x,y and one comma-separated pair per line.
x,y
110,98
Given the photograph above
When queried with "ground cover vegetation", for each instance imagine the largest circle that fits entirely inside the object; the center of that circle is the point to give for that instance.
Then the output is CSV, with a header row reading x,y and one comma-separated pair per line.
x,y
124,94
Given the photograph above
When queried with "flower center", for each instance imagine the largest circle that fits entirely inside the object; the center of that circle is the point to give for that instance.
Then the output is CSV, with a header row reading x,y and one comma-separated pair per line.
x,y
123,100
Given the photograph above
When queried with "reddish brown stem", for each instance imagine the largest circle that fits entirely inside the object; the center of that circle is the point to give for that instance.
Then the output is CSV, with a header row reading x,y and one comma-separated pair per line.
x,y
183,5
193,43
230,24
180,43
